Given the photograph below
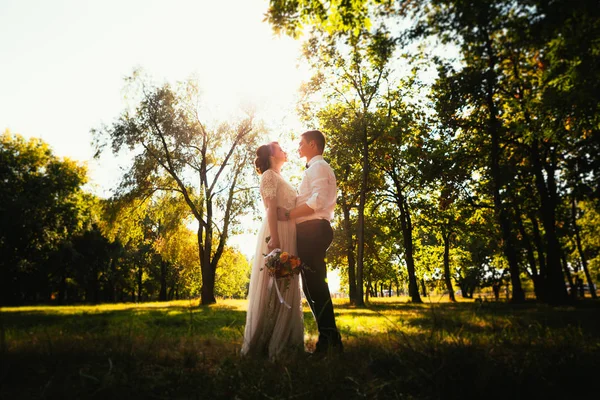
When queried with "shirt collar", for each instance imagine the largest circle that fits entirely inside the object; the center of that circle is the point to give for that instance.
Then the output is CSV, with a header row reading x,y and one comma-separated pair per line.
x,y
314,160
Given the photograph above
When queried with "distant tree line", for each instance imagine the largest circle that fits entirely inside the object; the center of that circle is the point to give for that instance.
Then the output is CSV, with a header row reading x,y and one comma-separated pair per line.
x,y
62,245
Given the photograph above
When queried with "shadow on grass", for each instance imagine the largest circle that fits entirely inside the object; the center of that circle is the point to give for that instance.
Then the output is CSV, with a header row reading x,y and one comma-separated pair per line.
x,y
428,351
384,367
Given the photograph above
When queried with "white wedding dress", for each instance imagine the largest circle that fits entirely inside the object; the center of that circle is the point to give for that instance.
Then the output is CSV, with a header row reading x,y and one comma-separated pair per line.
x,y
271,326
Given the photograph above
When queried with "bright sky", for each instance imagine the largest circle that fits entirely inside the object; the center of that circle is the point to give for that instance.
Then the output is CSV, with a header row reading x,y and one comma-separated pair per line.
x,y
62,64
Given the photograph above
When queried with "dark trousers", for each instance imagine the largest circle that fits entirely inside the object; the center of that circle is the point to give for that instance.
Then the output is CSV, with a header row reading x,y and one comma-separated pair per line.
x,y
313,239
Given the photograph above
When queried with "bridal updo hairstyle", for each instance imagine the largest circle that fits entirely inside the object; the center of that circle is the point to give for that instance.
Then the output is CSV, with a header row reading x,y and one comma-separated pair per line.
x,y
262,162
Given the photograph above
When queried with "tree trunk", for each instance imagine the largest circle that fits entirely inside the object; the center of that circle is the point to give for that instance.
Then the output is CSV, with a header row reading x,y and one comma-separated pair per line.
x,y
139,283
162,296
537,239
111,287
565,267
496,289
360,234
526,243
466,292
518,296
582,256
62,289
207,293
498,178
546,188
94,284
447,278
406,225
352,292
66,258
535,276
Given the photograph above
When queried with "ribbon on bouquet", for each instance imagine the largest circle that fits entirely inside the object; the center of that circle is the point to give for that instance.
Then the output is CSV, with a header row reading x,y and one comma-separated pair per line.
x,y
273,280
281,300
306,291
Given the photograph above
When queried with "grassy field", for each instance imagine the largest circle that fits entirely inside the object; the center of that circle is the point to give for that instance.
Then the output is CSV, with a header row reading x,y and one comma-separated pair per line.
x,y
393,350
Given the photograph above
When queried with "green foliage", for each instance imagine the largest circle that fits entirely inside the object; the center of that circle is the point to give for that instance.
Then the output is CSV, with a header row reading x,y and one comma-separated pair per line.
x,y
62,245
233,275
500,102
357,112
338,15
41,207
512,126
589,222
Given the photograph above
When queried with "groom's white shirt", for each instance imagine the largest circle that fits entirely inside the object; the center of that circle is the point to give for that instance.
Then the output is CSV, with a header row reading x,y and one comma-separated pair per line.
x,y
317,190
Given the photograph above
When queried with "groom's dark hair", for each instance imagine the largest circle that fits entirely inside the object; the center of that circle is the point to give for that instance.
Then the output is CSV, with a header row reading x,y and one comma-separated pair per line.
x,y
317,136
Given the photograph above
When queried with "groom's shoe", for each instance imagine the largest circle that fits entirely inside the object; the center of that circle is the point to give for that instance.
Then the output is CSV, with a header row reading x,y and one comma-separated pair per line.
x,y
315,356
329,344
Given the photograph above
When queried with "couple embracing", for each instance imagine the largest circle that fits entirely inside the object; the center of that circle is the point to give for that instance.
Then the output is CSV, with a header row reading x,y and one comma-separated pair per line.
x,y
297,222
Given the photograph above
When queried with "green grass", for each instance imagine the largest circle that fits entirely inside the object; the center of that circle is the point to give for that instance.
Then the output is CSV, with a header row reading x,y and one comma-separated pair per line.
x,y
393,350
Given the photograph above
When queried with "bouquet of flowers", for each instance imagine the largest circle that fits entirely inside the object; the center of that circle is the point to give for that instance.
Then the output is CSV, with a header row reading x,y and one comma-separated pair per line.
x,y
283,265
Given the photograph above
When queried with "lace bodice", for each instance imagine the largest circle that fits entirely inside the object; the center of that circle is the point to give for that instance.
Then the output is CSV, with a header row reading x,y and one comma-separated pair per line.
x,y
273,185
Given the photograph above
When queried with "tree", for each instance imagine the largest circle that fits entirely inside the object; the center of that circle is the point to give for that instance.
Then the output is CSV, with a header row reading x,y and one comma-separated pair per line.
x,y
401,156
92,263
445,221
41,206
353,80
123,223
338,15
155,253
590,233
478,31
233,278
382,253
513,79
167,217
171,145
336,121
581,252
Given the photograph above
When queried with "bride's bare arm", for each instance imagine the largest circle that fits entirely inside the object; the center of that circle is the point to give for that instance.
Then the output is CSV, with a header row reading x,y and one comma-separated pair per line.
x,y
272,220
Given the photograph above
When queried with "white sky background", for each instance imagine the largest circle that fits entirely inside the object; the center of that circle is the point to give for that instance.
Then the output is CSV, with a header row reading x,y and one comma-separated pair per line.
x,y
62,65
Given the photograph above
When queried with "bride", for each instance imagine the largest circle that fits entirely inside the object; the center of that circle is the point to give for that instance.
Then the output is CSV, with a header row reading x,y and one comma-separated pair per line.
x,y
273,325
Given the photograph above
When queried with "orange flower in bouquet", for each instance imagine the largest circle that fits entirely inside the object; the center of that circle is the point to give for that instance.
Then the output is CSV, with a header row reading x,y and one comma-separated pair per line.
x,y
283,257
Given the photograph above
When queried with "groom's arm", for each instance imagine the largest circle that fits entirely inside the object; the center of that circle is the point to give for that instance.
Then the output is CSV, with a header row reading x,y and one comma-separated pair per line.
x,y
301,211
322,192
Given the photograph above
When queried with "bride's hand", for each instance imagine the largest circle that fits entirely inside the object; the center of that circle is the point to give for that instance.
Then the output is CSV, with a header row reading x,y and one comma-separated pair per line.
x,y
273,244
282,214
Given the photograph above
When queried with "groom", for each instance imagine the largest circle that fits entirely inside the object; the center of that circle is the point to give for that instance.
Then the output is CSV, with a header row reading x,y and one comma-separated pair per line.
x,y
314,210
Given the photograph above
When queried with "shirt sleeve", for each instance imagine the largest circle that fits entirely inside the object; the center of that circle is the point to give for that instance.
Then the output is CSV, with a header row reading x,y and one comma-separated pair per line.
x,y
268,185
323,187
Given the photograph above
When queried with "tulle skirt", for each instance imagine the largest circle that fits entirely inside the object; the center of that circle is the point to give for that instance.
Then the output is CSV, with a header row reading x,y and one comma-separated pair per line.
x,y
273,326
